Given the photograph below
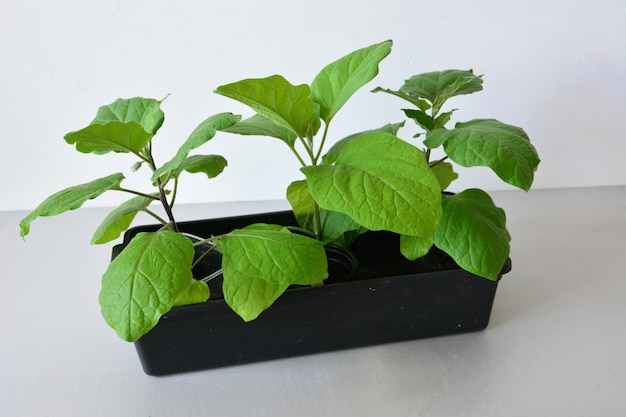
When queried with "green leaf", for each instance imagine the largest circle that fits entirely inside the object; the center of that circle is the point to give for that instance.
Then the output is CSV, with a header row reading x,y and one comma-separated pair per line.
x,y
445,174
275,255
211,165
338,81
144,111
421,104
504,148
70,199
261,261
200,135
421,118
259,125
331,155
197,292
437,87
247,295
382,182
120,219
414,247
442,119
334,224
120,137
339,228
302,204
275,98
145,281
473,232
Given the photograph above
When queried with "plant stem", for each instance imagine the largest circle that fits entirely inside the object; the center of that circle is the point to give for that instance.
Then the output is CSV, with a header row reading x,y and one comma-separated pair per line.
x,y
321,147
318,220
126,190
438,161
153,214
162,194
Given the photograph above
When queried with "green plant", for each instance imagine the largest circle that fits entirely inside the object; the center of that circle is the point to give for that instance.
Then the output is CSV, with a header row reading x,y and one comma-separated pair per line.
x,y
153,273
373,180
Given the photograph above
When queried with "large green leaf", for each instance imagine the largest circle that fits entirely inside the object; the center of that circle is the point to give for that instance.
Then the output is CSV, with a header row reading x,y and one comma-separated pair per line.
x,y
504,148
118,220
274,254
382,182
259,263
121,137
473,231
70,199
331,156
200,135
274,97
145,111
259,125
338,81
211,165
145,281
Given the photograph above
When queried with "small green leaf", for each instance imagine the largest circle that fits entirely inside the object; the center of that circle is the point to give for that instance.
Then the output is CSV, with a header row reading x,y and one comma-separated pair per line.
x,y
275,98
421,118
473,232
437,87
144,111
302,204
381,182
442,119
200,135
70,199
259,125
338,81
504,148
211,165
445,174
197,292
421,104
414,247
339,228
122,137
277,256
120,219
145,281
333,152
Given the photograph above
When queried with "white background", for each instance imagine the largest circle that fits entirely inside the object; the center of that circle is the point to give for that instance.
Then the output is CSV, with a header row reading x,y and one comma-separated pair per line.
x,y
554,67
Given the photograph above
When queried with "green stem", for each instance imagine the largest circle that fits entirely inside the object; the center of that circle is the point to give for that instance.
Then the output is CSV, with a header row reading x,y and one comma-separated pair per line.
x,y
153,214
295,152
318,220
438,162
205,253
126,190
174,192
309,149
162,194
321,147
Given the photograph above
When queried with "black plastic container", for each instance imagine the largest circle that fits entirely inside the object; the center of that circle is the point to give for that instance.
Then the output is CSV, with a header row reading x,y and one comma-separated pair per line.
x,y
389,299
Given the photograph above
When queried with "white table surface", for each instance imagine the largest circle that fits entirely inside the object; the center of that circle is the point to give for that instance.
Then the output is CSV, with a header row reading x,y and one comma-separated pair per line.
x,y
556,344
